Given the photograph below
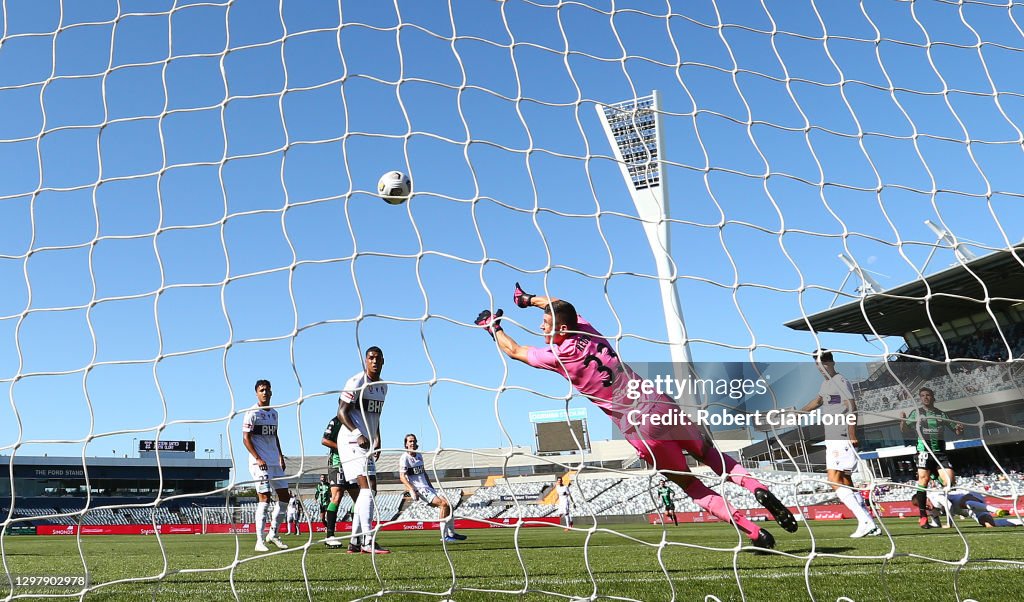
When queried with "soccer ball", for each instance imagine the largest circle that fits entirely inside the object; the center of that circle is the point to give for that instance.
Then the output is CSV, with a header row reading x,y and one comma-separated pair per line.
x,y
394,187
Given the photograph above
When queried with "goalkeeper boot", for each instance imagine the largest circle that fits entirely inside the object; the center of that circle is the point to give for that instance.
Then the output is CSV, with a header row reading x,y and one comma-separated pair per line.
x,y
764,540
779,510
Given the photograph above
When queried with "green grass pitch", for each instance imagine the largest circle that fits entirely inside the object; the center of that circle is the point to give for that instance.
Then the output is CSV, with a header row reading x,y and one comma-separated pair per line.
x,y
622,563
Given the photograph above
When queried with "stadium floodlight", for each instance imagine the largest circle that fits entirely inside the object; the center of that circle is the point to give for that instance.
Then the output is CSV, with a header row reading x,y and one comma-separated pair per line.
x,y
962,252
633,128
868,284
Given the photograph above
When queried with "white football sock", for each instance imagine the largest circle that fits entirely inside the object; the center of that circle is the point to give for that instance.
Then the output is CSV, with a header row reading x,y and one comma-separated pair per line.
x,y
357,525
261,519
852,501
362,515
275,518
364,508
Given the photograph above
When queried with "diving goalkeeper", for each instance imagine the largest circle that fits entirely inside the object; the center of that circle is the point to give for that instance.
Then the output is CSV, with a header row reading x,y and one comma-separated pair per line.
x,y
577,351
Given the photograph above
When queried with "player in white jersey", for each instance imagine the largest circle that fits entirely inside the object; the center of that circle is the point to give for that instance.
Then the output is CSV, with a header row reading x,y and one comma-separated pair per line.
x,y
969,505
414,476
359,408
836,397
293,516
564,501
266,464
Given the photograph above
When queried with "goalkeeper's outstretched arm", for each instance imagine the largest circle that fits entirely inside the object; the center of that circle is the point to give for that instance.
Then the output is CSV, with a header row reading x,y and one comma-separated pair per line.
x,y
509,346
491,323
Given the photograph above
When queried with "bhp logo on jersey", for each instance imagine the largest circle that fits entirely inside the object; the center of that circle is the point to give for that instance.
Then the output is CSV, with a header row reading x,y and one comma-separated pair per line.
x,y
834,399
375,405
268,429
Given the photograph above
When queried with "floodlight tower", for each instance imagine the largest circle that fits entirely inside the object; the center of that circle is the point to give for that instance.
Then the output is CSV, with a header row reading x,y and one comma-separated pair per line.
x,y
633,128
959,249
868,284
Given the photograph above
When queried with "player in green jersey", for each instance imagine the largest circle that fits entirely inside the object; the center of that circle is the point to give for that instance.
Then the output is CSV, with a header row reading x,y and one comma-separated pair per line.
x,y
930,424
323,497
667,502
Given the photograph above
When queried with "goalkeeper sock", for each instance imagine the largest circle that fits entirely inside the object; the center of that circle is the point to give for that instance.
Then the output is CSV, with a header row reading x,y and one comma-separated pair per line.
x,y
716,505
723,464
261,519
852,501
331,519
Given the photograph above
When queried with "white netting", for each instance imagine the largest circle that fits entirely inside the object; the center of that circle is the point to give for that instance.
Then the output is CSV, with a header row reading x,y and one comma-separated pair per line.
x,y
187,204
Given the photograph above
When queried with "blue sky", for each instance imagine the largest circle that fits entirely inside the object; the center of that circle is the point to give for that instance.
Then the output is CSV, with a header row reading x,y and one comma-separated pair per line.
x,y
187,202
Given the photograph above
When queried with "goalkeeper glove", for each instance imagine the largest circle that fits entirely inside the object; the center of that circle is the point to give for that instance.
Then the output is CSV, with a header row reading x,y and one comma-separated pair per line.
x,y
490,323
521,297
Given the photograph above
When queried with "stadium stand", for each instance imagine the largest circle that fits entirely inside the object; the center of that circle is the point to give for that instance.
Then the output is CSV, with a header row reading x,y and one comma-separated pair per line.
x,y
969,379
486,502
420,510
387,505
598,495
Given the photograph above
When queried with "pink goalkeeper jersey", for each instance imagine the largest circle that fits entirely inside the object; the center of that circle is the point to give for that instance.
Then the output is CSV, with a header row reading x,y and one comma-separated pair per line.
x,y
591,365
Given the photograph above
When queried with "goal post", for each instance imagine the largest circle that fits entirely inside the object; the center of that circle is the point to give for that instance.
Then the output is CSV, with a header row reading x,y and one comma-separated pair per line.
x,y
237,519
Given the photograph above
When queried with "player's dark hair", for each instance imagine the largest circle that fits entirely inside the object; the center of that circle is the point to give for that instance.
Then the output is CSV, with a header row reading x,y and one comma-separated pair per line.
x,y
374,348
823,355
563,313
261,381
409,435
923,389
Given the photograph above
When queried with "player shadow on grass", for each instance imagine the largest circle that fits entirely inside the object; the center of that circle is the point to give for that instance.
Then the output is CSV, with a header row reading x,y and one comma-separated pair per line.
x,y
822,550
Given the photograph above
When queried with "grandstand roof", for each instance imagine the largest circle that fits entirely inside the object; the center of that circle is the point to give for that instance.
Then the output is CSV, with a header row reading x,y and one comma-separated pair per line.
x,y
956,292
116,468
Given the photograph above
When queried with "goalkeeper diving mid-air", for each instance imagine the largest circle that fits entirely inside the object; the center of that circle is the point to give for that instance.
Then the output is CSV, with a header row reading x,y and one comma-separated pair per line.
x,y
577,351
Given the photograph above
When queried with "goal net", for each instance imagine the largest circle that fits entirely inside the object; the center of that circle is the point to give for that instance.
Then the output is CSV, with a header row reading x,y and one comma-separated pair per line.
x,y
235,519
188,204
